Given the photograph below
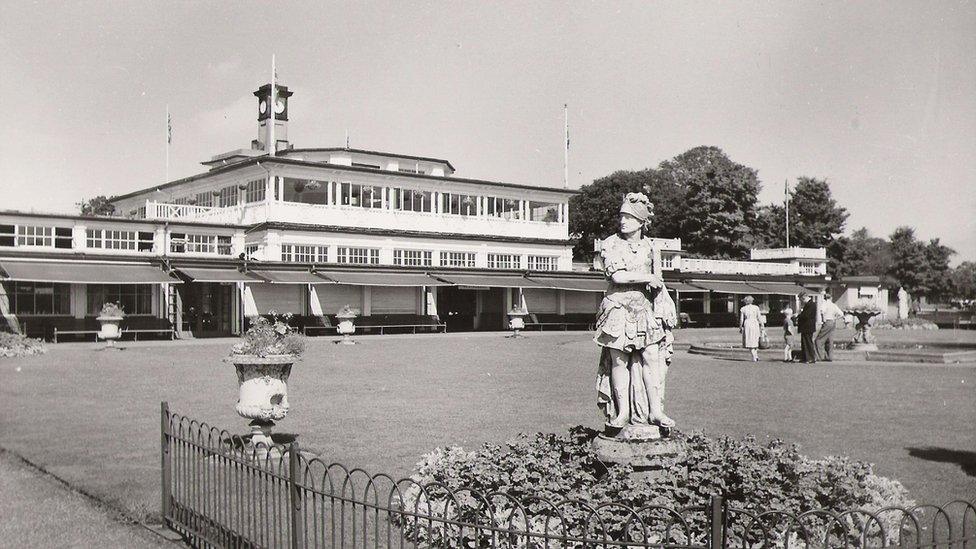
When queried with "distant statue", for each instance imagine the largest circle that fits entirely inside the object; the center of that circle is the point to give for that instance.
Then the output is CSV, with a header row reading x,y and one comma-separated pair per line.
x,y
902,303
633,327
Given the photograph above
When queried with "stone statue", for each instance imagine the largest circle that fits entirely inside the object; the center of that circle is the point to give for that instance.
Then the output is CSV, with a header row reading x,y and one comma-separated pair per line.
x,y
902,303
634,328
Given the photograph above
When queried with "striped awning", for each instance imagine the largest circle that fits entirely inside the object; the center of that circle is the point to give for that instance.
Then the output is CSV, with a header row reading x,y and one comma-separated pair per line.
x,y
291,277
725,287
217,274
577,284
365,278
682,287
778,288
488,280
82,272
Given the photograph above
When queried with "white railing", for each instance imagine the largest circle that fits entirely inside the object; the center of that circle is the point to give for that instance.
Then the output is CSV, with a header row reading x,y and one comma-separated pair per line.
x,y
724,266
162,210
663,244
794,252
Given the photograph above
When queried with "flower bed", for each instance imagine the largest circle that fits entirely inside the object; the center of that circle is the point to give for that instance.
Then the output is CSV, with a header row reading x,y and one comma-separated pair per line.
x,y
754,477
13,345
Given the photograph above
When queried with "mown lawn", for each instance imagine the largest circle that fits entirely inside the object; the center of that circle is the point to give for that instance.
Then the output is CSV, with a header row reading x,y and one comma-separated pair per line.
x,y
92,417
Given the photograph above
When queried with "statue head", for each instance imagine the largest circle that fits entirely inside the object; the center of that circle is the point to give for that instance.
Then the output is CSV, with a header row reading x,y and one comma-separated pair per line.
x,y
635,212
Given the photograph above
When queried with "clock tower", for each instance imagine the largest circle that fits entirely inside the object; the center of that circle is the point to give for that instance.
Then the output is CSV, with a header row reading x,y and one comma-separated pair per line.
x,y
265,118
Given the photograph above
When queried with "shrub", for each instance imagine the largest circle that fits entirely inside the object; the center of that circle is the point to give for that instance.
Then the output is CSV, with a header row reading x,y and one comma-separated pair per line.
x,y
264,338
14,345
910,323
112,310
754,478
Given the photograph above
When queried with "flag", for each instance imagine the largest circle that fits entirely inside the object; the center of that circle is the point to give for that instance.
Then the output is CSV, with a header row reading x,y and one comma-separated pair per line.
x,y
566,108
169,128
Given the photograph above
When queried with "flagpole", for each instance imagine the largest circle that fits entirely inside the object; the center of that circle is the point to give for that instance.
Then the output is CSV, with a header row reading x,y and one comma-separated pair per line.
x,y
271,109
566,151
168,139
786,187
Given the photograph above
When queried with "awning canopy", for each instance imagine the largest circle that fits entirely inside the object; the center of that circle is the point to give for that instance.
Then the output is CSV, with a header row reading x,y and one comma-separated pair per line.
x,y
291,277
69,271
489,280
779,288
572,284
380,278
726,287
682,287
216,274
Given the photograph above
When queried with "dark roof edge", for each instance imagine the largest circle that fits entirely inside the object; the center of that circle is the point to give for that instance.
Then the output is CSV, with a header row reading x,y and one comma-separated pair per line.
x,y
364,151
293,162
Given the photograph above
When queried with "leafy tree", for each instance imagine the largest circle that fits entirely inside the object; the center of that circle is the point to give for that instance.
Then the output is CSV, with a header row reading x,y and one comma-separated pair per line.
x,y
908,261
594,212
936,275
815,218
98,205
964,280
719,203
859,254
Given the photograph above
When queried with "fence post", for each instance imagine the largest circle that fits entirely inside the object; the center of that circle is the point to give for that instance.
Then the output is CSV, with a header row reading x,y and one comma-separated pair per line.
x,y
166,464
716,521
297,515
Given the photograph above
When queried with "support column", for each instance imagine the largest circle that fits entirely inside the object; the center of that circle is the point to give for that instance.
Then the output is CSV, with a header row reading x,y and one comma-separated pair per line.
x,y
367,301
561,302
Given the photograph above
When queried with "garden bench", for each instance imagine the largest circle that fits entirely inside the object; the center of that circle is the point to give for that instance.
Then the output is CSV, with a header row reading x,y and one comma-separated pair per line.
x,y
385,322
541,320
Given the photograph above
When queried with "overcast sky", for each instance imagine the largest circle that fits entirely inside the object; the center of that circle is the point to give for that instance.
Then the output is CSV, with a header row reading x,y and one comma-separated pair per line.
x,y
878,98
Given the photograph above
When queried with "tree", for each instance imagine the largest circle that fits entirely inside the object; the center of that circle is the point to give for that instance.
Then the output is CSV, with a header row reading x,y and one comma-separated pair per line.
x,y
936,275
719,202
908,261
815,218
96,206
594,211
860,254
964,280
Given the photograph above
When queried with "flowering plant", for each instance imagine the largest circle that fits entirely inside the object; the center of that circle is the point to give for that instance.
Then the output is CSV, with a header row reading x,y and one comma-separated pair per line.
x,y
863,305
265,338
112,310
346,312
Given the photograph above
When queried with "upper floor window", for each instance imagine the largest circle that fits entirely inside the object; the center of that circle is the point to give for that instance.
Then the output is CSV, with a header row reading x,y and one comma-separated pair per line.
x,y
504,261
413,258
363,196
39,298
542,262
229,196
457,259
205,198
459,204
35,236
255,191
111,239
302,253
306,191
543,211
358,256
200,244
409,200
361,165
251,250
506,208
808,267
411,170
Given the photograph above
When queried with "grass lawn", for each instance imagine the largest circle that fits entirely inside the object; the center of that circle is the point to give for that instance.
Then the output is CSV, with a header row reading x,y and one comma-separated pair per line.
x,y
92,417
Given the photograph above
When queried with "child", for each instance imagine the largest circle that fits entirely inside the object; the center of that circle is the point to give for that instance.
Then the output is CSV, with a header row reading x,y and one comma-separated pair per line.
x,y
789,329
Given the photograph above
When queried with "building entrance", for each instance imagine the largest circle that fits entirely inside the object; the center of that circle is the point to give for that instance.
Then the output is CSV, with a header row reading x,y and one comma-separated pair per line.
x,y
457,308
208,308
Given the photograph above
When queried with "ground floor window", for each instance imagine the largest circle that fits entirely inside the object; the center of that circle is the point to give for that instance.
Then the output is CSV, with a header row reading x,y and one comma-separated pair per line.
x,y
722,302
457,259
692,302
504,261
358,256
135,299
413,258
38,298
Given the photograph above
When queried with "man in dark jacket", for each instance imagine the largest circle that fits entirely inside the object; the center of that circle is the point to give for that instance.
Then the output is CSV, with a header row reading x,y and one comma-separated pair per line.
x,y
806,324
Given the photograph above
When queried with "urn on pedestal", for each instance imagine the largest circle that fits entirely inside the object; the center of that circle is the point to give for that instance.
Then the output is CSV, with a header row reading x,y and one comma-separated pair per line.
x,y
863,310
516,320
110,318
263,360
346,317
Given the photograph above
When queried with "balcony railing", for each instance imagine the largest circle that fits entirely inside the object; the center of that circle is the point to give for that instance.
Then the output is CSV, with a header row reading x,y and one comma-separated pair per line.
x,y
794,252
723,266
161,210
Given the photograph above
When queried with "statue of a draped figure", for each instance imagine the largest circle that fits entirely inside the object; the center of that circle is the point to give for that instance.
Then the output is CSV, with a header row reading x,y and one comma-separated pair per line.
x,y
634,328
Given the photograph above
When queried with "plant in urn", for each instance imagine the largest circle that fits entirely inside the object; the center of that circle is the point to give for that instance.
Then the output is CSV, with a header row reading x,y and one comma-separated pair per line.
x,y
263,359
110,319
516,320
864,310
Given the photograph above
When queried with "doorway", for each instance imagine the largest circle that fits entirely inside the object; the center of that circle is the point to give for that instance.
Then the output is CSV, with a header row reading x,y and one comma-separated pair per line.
x,y
208,308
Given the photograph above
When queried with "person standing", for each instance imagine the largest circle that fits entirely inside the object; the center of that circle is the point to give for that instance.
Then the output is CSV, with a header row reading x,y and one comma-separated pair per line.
x,y
750,327
789,330
829,313
806,323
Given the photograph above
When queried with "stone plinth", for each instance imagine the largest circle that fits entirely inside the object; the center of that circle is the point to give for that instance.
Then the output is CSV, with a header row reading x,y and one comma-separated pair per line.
x,y
641,446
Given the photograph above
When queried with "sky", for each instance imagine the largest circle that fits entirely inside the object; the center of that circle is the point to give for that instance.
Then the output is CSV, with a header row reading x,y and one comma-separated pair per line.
x,y
878,98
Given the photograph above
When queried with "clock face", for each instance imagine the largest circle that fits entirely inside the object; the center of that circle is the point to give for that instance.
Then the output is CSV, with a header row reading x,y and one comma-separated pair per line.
x,y
280,106
263,106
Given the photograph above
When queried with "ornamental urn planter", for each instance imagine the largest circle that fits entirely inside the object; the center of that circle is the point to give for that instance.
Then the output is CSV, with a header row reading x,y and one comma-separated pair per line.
x,y
516,321
346,327
863,340
263,393
110,328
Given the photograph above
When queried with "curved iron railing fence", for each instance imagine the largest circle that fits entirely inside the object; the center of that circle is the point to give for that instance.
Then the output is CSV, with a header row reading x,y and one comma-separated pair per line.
x,y
217,491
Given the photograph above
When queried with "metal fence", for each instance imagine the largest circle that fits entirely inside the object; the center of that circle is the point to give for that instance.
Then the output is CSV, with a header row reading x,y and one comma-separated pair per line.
x,y
217,491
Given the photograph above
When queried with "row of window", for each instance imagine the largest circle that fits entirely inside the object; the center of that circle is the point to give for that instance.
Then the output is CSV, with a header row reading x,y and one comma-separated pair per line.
x,y
307,253
45,298
111,239
35,235
230,195
199,244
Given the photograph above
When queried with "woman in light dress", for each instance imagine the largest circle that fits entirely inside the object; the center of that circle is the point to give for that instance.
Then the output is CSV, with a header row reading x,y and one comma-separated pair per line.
x,y
789,330
633,325
750,326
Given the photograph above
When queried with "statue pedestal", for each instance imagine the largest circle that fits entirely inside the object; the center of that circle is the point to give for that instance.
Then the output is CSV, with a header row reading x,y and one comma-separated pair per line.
x,y
641,446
